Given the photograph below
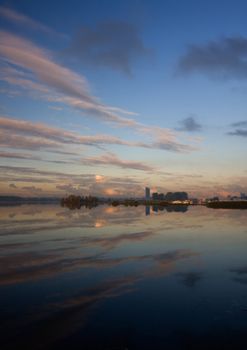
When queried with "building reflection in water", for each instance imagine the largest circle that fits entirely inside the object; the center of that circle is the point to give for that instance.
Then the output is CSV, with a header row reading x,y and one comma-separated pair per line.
x,y
147,210
169,208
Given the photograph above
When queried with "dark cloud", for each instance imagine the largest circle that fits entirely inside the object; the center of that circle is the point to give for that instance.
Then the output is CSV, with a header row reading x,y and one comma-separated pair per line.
x,y
239,132
190,124
224,58
240,129
111,44
242,123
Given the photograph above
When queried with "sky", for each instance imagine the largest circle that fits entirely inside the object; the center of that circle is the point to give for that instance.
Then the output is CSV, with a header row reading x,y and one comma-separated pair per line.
x,y
107,97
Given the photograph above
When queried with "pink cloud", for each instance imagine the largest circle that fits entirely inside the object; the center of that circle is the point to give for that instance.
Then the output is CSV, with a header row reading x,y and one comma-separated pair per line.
x,y
72,88
112,159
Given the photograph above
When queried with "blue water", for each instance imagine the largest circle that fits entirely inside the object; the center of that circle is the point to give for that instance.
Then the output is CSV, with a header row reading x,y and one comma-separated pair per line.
x,y
123,278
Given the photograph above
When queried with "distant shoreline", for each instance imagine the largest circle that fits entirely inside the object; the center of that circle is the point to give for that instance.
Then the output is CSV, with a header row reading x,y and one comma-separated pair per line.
x,y
15,200
74,202
227,205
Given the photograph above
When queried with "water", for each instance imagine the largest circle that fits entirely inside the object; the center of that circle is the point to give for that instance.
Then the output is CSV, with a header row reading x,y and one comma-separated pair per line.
x,y
123,278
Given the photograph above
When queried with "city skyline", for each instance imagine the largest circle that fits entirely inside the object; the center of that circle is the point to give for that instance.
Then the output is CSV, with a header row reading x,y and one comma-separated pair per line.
x,y
136,94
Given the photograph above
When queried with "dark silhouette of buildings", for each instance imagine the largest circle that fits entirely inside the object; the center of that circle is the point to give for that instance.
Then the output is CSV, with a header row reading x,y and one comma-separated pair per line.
x,y
147,193
170,196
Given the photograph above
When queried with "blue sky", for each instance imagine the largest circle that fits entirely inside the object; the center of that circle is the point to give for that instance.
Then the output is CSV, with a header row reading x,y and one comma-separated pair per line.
x,y
107,97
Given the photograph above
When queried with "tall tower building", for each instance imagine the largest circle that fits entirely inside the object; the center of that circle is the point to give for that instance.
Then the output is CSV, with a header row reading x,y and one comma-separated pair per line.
x,y
147,193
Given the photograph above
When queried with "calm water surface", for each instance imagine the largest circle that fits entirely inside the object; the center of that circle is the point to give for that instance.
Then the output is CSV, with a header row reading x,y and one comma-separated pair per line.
x,y
123,278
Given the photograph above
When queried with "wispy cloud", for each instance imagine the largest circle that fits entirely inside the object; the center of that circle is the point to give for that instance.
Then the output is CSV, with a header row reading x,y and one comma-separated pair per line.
x,y
111,44
223,58
17,133
165,139
23,134
18,155
18,18
72,88
30,156
36,71
68,182
112,159
20,134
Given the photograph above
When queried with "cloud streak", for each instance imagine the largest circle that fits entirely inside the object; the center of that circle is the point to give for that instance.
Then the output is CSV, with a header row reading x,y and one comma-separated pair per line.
x,y
21,19
62,182
23,134
20,134
11,155
33,69
112,159
72,88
